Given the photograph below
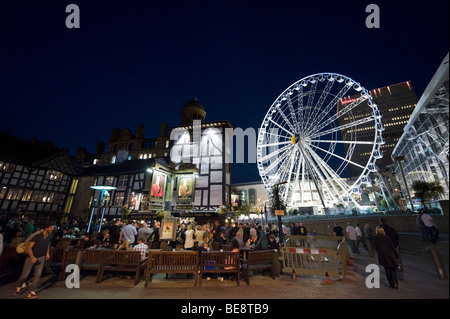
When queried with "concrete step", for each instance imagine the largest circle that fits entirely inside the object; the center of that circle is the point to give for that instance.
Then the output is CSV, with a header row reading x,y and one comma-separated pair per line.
x,y
412,244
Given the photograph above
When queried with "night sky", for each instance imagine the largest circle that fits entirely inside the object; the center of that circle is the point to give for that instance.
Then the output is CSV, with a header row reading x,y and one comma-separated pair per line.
x,y
137,62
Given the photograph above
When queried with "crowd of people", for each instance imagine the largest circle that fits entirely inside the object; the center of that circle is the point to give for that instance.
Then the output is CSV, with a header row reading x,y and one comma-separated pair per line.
x,y
190,235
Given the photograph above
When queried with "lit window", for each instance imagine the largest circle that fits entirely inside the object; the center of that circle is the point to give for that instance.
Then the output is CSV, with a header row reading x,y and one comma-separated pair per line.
x,y
54,175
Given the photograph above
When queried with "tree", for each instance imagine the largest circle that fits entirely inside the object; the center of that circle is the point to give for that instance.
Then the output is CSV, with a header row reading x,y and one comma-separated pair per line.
x,y
426,191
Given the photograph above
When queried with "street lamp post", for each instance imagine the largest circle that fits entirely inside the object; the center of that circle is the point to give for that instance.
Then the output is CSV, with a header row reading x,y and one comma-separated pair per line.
x,y
99,204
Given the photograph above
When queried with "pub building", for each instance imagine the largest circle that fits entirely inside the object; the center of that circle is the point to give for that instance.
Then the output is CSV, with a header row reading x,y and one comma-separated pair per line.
x,y
184,173
35,179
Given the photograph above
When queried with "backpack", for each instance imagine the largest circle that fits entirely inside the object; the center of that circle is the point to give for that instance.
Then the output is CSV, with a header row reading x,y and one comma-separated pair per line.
x,y
23,247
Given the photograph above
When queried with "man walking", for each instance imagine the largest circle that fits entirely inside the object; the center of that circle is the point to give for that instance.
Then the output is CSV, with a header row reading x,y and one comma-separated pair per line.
x,y
128,234
352,238
38,250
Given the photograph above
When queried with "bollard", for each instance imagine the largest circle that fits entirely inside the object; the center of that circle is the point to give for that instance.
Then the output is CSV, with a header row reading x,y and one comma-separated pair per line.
x,y
400,274
439,265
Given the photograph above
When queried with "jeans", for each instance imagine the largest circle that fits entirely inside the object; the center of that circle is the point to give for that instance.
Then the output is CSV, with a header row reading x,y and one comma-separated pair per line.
x,y
27,267
354,245
432,234
423,231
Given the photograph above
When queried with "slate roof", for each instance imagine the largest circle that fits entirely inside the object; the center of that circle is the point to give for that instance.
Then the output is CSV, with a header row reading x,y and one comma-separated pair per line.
x,y
34,154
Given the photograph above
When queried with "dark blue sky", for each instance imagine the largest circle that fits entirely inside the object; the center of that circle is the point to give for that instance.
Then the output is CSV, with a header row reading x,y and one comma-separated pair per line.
x,y
137,62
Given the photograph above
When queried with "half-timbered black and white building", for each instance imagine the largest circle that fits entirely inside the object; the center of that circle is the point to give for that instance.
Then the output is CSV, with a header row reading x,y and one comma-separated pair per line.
x,y
35,177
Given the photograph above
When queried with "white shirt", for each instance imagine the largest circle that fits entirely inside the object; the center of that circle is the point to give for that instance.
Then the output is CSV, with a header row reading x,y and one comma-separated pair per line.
x,y
351,232
189,242
427,220
358,231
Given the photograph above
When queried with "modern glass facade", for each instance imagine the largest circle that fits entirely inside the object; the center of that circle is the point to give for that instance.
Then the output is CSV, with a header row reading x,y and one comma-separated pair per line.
x,y
422,151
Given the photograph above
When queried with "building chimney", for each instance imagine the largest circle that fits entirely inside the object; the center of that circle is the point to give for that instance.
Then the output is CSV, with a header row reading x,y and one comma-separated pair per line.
x,y
140,132
163,130
100,149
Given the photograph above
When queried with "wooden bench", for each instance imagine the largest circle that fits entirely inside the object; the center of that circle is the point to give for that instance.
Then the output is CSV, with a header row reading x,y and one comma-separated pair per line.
x,y
56,260
122,261
171,262
259,260
86,259
214,262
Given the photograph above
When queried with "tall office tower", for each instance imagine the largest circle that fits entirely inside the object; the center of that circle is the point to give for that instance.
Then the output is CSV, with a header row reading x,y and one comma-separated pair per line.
x,y
396,104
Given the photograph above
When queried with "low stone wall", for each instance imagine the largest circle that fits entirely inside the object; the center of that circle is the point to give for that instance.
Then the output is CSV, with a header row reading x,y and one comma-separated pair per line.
x,y
399,223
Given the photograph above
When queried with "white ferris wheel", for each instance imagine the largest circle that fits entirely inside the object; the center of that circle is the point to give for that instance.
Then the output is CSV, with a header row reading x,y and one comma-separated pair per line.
x,y
300,145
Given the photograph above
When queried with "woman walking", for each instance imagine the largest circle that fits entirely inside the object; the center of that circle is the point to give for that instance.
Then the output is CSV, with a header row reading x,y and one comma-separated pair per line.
x,y
387,255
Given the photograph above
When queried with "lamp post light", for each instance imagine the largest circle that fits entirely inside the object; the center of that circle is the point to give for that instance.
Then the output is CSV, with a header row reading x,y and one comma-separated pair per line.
x,y
103,189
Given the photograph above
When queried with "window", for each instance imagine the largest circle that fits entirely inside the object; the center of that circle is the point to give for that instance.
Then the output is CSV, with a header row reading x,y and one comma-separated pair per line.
x,y
27,195
119,198
53,198
109,181
3,192
14,193
54,175
123,181
113,159
7,167
37,196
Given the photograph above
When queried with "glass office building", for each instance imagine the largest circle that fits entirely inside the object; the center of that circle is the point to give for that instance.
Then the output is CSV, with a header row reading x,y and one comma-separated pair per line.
x,y
422,151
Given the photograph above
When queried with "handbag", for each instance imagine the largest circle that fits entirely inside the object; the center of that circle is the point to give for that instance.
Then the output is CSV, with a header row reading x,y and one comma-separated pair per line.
x,y
399,266
21,248
180,240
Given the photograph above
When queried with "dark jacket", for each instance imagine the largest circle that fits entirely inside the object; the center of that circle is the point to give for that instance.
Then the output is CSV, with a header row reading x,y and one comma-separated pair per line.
x,y
387,253
392,234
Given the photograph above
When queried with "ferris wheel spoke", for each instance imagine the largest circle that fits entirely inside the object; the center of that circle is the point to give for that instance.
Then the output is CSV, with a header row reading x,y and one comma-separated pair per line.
x,y
309,103
276,144
332,103
277,160
274,135
272,121
327,172
317,170
333,174
342,142
337,115
284,118
340,157
300,108
291,169
291,110
276,152
319,104
343,127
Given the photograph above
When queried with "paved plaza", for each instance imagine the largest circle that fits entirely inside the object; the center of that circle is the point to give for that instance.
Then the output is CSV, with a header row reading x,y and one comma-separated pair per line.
x,y
421,281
